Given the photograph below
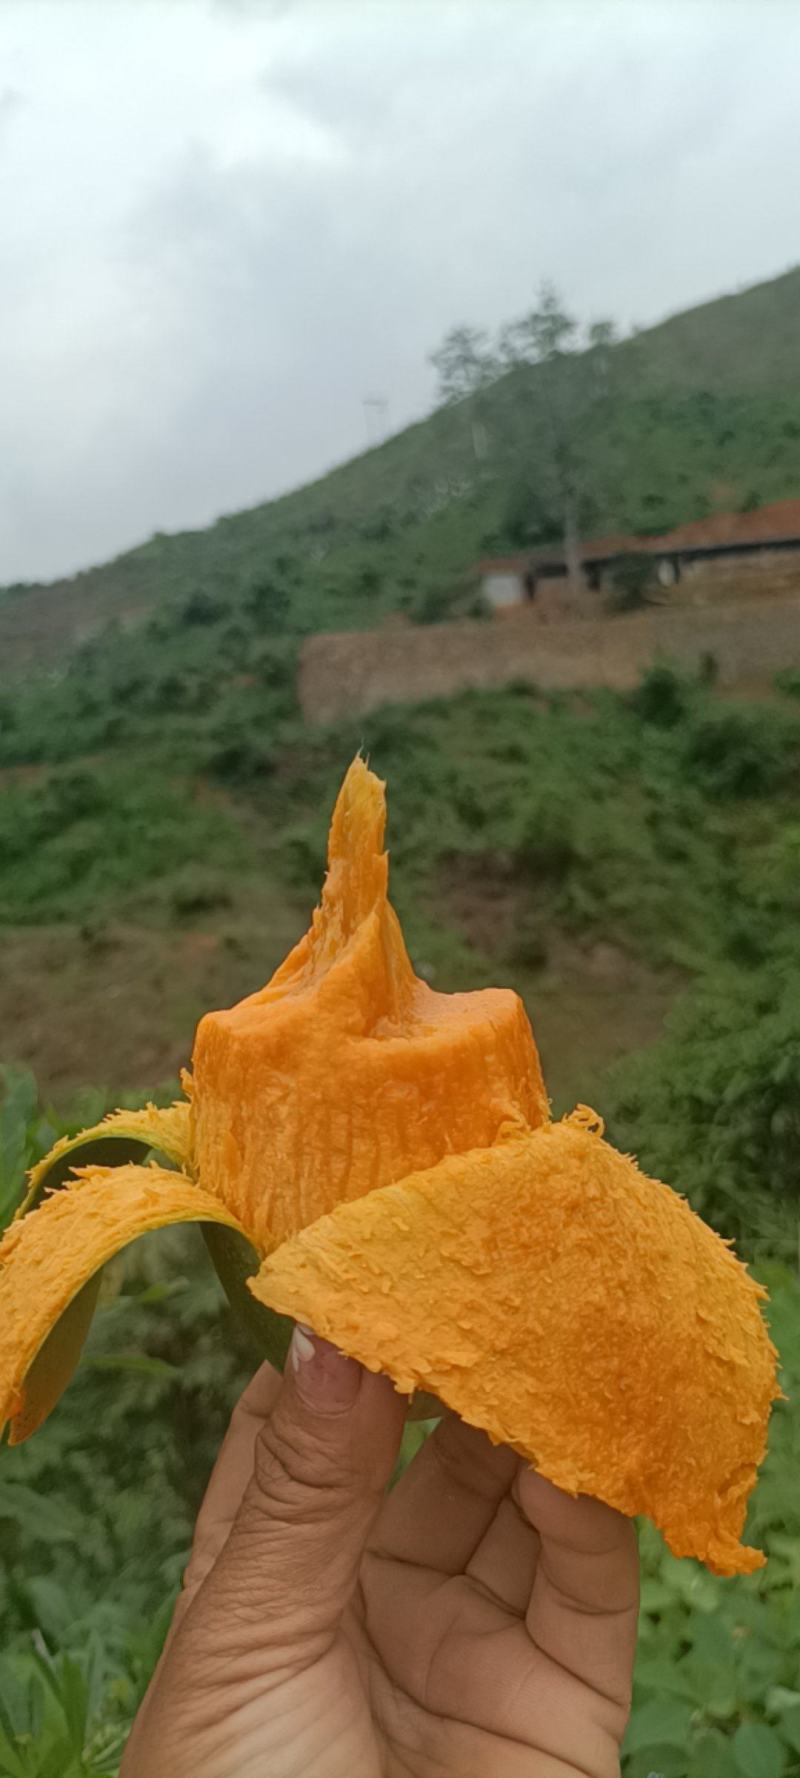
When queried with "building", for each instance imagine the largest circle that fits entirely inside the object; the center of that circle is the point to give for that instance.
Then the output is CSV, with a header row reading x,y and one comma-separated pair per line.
x,y
750,542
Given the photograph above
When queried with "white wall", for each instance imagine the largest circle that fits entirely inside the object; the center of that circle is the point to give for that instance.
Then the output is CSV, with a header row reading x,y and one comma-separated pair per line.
x,y
502,589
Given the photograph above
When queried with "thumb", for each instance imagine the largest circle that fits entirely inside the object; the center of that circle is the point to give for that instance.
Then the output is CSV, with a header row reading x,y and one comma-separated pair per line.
x,y
322,1461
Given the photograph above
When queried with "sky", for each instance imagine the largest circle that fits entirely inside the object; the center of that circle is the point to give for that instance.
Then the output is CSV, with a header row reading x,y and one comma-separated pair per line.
x,y
227,223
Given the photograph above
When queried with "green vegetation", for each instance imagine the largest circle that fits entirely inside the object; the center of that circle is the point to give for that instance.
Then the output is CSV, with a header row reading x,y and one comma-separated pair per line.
x,y
702,412
86,1587
630,864
527,833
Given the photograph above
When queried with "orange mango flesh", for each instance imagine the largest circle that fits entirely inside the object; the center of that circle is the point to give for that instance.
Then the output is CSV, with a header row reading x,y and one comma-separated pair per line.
x,y
49,1255
346,1072
578,1311
389,1150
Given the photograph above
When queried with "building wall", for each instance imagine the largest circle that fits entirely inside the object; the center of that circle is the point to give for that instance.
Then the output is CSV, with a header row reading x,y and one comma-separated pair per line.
x,y
503,589
346,673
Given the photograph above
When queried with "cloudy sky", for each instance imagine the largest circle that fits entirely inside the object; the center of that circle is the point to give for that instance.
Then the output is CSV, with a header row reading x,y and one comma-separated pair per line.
x,y
227,222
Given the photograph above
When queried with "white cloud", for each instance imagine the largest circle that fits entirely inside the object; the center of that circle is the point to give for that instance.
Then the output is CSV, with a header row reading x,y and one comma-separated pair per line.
x,y
225,224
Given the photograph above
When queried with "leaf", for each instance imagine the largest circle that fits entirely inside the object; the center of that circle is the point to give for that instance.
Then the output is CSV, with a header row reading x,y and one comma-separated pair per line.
x,y
657,1762
710,1755
158,1293
656,1674
48,1521
661,1722
656,1596
236,1261
17,1109
57,1358
757,1751
790,1723
11,1765
138,1362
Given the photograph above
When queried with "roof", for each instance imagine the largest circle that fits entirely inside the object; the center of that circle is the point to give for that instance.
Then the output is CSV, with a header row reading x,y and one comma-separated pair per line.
x,y
777,523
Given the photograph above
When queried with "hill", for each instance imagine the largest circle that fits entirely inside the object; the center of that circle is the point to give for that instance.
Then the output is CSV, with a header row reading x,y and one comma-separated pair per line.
x,y
628,863
706,414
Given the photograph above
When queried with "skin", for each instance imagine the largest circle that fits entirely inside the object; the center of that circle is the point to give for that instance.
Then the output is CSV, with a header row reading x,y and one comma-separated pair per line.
x,y
474,1622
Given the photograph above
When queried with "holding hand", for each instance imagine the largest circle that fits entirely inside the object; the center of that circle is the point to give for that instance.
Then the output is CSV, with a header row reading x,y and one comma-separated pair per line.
x,y
473,1623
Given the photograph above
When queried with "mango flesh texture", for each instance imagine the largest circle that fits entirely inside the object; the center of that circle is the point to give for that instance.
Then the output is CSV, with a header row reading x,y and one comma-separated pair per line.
x,y
346,1072
578,1311
434,1223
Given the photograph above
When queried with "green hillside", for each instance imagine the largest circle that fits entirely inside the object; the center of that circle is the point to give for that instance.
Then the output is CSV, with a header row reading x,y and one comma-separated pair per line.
x,y
630,864
704,413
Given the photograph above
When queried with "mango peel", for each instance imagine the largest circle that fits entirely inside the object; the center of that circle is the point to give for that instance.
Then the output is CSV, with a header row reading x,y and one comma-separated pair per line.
x,y
378,1160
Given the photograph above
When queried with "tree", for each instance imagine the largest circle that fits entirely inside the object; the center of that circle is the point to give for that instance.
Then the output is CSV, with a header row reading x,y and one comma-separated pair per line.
x,y
463,363
566,375
465,367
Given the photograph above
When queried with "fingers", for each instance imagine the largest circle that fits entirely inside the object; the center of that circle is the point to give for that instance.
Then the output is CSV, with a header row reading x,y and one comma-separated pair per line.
x,y
229,1479
322,1459
584,1604
504,1563
442,1507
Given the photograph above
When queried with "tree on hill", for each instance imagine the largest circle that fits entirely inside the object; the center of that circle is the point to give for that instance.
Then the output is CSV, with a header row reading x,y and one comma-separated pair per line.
x,y
464,363
466,366
563,374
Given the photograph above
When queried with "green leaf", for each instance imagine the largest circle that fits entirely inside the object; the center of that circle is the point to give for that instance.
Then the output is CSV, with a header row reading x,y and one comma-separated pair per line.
x,y
236,1261
655,1674
711,1755
157,1293
657,1762
17,1109
48,1521
757,1751
138,1362
11,1763
660,1722
790,1724
56,1361
58,1356
656,1596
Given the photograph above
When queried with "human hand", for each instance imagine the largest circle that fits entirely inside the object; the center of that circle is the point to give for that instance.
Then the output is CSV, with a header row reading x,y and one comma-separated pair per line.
x,y
473,1623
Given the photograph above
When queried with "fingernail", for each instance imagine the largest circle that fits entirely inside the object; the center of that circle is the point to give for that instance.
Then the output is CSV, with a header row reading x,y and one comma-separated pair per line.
x,y
324,1378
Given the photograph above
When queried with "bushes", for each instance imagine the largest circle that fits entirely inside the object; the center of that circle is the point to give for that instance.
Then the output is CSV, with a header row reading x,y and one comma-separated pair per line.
x,y
201,608
741,752
269,605
715,1107
78,844
663,697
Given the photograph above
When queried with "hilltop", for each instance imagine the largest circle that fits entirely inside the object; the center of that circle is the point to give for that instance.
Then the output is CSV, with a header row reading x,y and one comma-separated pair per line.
x,y
706,416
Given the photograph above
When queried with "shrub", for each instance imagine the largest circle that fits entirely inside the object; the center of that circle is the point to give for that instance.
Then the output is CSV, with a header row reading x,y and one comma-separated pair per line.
x,y
198,894
369,580
239,757
741,752
201,608
715,1107
663,697
269,604
432,605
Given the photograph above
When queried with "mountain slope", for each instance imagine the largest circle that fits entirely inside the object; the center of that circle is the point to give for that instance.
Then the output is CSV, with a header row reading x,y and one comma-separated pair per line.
x,y
706,415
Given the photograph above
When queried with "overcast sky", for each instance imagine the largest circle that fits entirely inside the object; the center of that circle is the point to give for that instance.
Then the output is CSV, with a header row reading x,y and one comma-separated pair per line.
x,y
226,222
